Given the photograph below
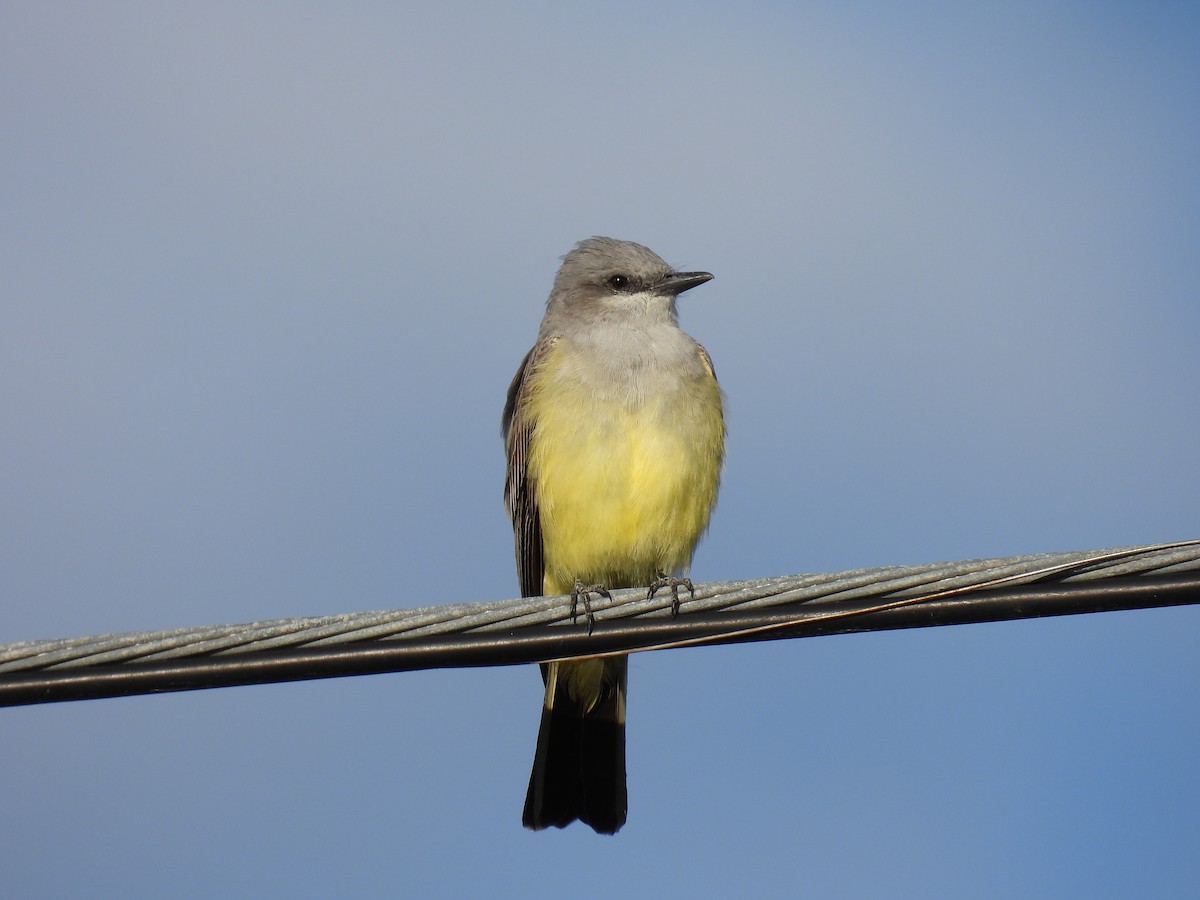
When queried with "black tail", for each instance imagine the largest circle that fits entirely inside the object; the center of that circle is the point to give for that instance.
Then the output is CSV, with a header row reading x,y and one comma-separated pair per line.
x,y
579,765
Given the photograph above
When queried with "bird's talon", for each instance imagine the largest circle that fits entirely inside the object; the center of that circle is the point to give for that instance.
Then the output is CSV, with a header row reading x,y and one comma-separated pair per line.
x,y
664,580
580,591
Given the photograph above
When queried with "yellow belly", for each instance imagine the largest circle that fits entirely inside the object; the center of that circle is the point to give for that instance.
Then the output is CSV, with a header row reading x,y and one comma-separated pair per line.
x,y
626,483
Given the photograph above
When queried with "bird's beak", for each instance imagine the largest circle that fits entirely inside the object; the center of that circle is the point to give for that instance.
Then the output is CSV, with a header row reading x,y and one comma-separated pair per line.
x,y
678,282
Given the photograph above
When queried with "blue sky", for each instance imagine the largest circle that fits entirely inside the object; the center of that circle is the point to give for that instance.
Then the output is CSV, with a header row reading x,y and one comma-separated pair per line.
x,y
269,268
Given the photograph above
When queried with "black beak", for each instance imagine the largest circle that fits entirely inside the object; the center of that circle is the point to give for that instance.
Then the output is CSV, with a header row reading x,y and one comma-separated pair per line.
x,y
678,282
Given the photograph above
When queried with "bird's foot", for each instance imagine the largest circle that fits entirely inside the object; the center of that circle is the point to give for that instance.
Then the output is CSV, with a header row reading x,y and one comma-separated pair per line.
x,y
663,580
584,592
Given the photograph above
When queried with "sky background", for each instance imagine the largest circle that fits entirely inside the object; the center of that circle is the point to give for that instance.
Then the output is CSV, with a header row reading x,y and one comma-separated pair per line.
x,y
265,273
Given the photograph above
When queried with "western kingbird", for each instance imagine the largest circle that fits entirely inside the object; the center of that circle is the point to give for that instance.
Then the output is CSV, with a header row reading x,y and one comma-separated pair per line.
x,y
615,435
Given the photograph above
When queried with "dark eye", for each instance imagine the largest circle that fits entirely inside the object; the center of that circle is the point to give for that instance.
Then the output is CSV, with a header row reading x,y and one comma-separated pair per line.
x,y
618,282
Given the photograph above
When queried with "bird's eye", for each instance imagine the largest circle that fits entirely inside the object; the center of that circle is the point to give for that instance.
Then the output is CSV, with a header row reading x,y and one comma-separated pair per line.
x,y
618,282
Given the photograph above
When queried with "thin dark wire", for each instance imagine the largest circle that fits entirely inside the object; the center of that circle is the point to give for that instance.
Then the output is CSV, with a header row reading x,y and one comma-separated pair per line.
x,y
513,631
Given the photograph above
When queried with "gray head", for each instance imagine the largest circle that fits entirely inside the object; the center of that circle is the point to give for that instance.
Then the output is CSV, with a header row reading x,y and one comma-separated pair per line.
x,y
603,279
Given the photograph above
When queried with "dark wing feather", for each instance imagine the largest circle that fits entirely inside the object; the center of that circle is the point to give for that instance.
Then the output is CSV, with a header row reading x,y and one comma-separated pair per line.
x,y
520,494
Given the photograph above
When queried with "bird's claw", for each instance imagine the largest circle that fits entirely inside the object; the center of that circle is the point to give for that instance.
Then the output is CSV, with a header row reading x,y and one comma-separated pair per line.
x,y
584,592
665,580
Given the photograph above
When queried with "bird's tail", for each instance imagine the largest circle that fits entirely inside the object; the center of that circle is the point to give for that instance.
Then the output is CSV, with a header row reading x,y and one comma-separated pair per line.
x,y
579,764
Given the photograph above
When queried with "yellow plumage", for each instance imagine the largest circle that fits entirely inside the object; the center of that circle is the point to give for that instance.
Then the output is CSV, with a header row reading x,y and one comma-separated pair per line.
x,y
625,484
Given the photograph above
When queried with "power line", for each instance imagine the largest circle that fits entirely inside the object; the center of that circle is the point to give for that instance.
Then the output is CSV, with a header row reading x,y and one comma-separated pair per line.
x,y
530,629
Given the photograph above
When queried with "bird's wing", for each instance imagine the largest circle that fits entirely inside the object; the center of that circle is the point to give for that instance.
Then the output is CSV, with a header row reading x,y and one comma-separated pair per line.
x,y
520,494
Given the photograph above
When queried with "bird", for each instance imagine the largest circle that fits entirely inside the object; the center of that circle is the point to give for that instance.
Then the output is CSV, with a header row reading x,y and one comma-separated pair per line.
x,y
614,432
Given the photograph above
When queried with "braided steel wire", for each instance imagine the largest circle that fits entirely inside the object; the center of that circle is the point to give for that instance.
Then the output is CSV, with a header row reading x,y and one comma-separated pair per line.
x,y
514,631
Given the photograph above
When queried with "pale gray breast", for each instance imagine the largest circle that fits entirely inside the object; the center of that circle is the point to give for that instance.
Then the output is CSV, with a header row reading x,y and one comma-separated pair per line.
x,y
627,365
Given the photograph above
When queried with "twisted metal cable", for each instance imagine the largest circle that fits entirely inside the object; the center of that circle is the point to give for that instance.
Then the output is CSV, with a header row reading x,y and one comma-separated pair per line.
x,y
512,631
